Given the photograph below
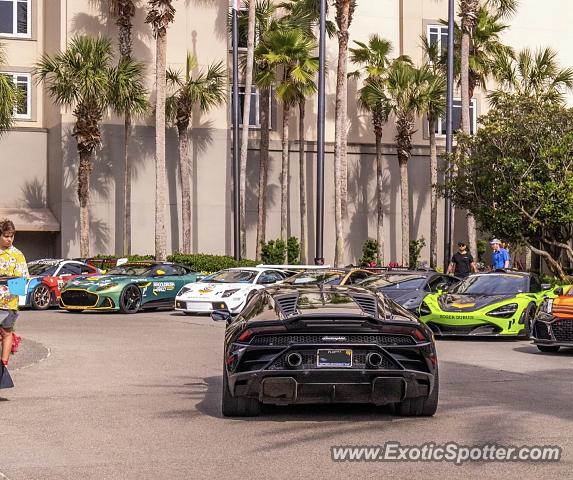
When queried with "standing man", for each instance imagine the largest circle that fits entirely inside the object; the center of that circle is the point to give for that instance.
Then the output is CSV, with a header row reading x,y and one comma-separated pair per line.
x,y
12,264
462,262
499,256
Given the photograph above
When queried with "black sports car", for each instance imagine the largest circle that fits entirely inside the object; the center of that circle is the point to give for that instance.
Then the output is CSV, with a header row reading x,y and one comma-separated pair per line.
x,y
409,287
326,344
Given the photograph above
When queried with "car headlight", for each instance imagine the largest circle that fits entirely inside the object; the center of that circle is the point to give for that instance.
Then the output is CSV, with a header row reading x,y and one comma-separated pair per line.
x,y
183,291
424,309
504,312
228,293
106,286
547,306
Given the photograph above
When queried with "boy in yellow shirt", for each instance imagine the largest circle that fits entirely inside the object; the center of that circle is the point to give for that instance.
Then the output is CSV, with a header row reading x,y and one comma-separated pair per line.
x,y
12,264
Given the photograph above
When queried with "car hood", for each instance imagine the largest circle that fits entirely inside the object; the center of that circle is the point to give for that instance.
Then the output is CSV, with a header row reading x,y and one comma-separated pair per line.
x,y
207,290
100,280
452,302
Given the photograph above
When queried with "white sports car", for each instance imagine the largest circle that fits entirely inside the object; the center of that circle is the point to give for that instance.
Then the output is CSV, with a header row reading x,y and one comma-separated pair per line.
x,y
229,289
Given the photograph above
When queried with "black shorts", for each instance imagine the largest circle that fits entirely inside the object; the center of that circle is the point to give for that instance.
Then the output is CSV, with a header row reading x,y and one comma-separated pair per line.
x,y
8,319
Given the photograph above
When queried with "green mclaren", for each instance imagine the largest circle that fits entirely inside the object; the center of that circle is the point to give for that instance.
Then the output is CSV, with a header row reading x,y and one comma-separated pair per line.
x,y
486,304
128,288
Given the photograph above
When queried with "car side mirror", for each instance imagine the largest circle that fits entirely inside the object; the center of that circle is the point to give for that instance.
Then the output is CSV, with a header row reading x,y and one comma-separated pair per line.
x,y
545,286
442,288
221,316
558,291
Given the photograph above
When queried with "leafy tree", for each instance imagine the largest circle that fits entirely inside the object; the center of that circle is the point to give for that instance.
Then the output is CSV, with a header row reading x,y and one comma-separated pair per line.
x,y
290,51
435,108
206,90
370,251
81,78
373,58
535,74
8,98
414,252
274,252
517,176
293,251
161,13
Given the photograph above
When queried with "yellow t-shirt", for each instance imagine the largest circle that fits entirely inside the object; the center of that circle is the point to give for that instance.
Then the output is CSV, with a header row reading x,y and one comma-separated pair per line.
x,y
12,264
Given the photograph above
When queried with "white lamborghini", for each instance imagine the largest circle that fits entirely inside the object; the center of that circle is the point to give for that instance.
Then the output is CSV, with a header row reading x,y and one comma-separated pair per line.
x,y
229,289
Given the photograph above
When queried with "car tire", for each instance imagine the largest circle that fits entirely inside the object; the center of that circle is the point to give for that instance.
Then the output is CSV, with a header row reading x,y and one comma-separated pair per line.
x,y
237,406
130,299
548,348
422,406
528,319
41,297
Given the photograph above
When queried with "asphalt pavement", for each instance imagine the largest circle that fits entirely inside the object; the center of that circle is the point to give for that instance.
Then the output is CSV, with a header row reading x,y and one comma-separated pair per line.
x,y
111,396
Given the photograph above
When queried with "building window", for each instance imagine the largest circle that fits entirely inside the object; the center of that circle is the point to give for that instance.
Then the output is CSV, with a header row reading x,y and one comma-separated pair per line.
x,y
22,81
15,18
457,118
254,112
438,34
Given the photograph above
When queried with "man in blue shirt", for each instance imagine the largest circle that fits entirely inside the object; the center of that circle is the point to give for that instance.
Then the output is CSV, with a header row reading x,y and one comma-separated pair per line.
x,y
499,256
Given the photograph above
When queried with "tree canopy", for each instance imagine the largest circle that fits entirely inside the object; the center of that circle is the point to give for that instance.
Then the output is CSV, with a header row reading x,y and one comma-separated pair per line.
x,y
516,176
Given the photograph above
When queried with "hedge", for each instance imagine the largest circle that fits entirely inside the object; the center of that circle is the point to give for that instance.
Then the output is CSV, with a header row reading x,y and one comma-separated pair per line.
x,y
209,263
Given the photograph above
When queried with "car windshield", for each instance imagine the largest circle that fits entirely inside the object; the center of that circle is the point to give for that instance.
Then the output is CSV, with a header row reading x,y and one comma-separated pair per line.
x,y
393,281
131,270
231,276
42,269
315,278
501,284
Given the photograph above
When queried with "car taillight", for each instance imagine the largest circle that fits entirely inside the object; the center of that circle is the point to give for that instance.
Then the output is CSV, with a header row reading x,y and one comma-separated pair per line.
x,y
417,334
245,335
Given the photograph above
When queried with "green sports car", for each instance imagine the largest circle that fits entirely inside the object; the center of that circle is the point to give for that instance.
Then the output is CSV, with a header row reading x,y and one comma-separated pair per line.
x,y
128,288
490,304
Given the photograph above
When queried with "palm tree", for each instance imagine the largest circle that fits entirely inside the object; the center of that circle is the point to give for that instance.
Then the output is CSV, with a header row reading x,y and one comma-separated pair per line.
x,y
246,117
8,97
373,58
434,108
533,74
469,16
124,11
264,78
405,87
207,90
289,50
161,14
80,78
344,13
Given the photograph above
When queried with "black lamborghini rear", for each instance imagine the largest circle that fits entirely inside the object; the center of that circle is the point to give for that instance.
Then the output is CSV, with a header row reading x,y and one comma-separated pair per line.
x,y
335,344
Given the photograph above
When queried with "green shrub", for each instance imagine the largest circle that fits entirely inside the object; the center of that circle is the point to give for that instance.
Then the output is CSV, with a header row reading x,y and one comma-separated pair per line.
x,y
273,252
293,251
369,251
209,263
415,249
481,249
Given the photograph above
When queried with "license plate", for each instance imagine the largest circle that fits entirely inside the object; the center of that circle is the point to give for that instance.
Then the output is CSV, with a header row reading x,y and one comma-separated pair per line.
x,y
334,358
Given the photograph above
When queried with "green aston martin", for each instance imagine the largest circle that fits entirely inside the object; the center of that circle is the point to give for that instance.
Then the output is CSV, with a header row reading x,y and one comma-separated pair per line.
x,y
496,304
128,288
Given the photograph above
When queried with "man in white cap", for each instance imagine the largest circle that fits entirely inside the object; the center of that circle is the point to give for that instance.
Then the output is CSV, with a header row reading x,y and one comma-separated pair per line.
x,y
499,256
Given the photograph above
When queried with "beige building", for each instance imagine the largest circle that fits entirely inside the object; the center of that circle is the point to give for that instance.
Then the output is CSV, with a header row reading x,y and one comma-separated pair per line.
x,y
39,160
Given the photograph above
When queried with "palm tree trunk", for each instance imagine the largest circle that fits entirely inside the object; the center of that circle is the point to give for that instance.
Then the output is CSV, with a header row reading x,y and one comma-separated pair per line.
x,y
185,173
405,208
344,10
83,197
285,172
160,174
245,129
126,188
303,219
433,196
465,126
379,201
263,171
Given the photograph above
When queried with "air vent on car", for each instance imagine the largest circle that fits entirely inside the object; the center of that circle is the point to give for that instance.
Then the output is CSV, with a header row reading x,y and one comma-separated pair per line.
x,y
367,303
287,304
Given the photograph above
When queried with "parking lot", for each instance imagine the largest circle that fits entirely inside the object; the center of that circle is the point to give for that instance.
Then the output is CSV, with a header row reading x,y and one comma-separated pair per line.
x,y
106,396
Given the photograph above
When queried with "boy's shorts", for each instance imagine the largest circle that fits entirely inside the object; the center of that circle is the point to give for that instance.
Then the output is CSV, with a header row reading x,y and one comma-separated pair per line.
x,y
8,319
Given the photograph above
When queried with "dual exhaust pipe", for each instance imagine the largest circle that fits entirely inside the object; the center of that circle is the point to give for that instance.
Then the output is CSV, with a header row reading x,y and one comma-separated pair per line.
x,y
373,360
